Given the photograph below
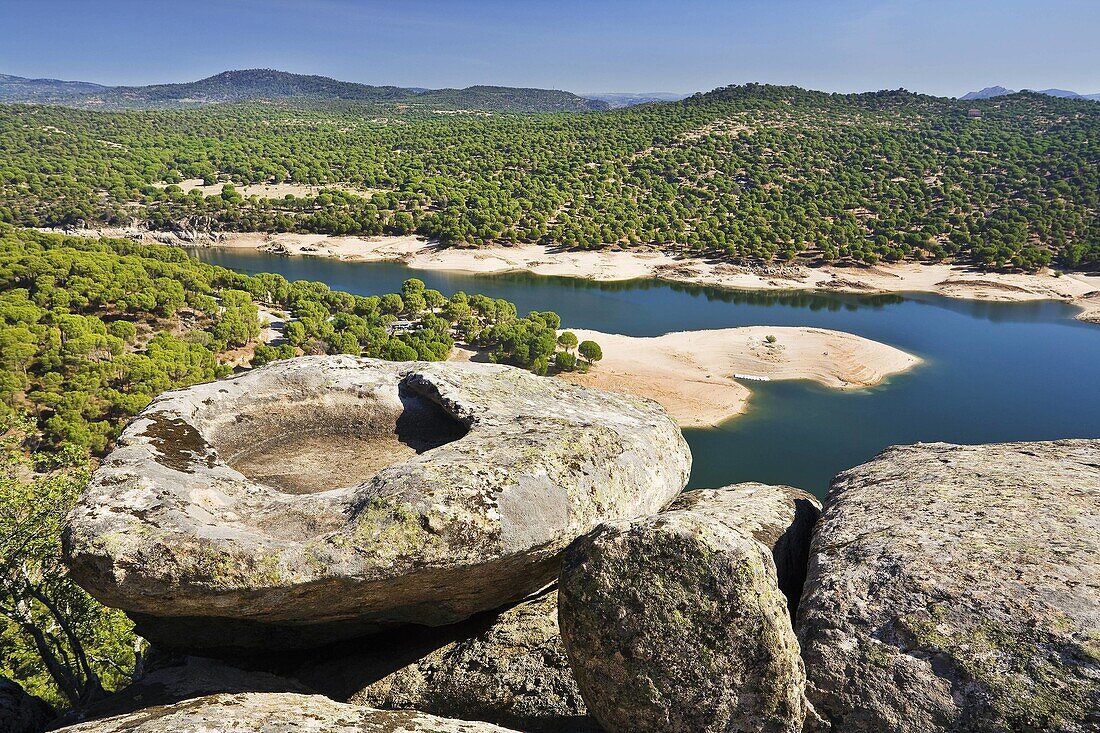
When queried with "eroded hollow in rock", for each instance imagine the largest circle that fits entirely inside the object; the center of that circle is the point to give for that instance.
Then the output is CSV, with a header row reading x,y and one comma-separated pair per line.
x,y
341,439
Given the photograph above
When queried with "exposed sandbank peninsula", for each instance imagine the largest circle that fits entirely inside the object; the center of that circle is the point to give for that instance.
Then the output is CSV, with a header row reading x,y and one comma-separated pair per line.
x,y
691,373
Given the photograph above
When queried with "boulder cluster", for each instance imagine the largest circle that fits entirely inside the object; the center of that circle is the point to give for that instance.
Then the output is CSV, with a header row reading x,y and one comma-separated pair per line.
x,y
338,544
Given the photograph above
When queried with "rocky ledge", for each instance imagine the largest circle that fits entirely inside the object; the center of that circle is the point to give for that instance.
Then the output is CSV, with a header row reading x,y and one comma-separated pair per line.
x,y
326,497
506,667
276,713
957,588
418,507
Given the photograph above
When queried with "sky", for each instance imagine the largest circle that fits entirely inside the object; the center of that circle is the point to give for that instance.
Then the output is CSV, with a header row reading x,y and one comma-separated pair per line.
x,y
944,47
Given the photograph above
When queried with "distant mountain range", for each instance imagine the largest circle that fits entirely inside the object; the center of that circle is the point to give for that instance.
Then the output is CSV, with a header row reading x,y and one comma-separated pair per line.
x,y
991,92
272,85
629,99
16,88
269,84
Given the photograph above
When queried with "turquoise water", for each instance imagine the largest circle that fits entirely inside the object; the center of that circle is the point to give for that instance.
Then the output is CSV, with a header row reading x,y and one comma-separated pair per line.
x,y
992,371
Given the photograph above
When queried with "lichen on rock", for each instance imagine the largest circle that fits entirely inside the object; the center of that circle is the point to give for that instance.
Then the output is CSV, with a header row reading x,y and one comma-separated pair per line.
x,y
276,713
675,622
780,517
958,588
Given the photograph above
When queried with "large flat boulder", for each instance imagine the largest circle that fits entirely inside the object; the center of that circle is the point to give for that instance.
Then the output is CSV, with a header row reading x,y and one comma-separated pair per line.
x,y
276,713
20,712
504,667
957,588
325,497
675,623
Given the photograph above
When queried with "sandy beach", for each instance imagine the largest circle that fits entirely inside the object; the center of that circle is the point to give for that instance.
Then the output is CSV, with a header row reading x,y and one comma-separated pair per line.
x,y
953,281
691,373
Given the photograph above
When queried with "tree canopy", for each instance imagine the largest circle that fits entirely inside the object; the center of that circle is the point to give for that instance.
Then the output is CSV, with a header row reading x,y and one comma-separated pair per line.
x,y
92,330
753,172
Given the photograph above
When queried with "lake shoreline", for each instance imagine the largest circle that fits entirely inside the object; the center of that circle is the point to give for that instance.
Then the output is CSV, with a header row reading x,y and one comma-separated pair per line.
x,y
991,371
701,377
953,281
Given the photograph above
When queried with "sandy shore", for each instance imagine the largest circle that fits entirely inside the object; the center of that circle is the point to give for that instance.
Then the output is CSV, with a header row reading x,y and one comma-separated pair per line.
x,y
691,373
953,281
948,280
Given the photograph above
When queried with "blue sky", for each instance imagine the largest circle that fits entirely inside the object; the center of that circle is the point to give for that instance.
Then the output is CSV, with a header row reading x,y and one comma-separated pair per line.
x,y
935,46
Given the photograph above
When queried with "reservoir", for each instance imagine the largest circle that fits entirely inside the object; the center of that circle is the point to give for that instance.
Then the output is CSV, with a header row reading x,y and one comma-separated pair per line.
x,y
992,371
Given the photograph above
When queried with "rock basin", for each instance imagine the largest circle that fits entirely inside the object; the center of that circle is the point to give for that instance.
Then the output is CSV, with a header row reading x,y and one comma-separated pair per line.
x,y
326,497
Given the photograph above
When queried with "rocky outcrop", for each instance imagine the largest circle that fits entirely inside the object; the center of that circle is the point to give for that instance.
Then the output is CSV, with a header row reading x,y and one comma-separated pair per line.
x,y
675,623
326,497
276,713
507,668
183,678
20,712
958,588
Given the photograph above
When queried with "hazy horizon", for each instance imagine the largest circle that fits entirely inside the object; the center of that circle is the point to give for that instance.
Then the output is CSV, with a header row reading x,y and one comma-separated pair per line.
x,y
935,47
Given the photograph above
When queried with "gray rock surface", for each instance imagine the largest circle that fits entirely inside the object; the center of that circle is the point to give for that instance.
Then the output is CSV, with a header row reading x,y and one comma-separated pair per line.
x,y
20,712
674,623
507,668
957,588
325,497
276,713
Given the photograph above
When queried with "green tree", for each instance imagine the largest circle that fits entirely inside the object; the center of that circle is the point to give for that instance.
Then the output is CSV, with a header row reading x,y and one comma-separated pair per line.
x,y
590,351
565,361
567,340
391,303
78,649
412,286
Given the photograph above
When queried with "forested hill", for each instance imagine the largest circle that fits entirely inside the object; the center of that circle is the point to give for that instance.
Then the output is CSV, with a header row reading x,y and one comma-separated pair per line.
x,y
280,86
750,173
241,86
507,99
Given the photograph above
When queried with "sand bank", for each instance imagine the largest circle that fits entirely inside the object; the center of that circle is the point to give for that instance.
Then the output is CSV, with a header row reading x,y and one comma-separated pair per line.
x,y
691,373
